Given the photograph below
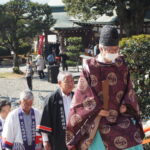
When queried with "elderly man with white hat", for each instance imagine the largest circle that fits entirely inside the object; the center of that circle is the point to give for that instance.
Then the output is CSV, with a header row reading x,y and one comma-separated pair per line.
x,y
19,131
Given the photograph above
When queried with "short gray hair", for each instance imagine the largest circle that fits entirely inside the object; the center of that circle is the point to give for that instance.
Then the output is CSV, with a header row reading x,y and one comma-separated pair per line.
x,y
62,75
26,95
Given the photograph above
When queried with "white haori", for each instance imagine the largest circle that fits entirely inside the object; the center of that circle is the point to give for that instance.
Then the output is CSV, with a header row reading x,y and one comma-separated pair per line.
x,y
12,136
2,121
146,126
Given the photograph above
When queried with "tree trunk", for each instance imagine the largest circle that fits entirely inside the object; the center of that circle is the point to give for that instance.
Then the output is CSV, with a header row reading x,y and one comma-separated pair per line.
x,y
61,40
131,19
15,61
133,26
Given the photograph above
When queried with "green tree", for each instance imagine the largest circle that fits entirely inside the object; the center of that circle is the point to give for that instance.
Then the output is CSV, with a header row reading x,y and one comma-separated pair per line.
x,y
74,47
130,13
20,22
41,18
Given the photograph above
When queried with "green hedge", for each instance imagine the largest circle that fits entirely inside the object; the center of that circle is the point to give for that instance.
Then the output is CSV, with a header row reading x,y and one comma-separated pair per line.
x,y
137,52
74,40
74,47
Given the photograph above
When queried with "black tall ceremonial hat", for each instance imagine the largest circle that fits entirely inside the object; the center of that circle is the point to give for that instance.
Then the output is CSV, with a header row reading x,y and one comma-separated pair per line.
x,y
109,36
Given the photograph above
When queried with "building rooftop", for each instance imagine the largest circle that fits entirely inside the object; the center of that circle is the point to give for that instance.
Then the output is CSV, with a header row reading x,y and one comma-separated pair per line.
x,y
63,21
147,16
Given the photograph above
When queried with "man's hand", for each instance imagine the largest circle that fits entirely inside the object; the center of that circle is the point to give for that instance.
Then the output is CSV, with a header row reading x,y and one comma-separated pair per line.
x,y
103,113
71,147
47,145
123,108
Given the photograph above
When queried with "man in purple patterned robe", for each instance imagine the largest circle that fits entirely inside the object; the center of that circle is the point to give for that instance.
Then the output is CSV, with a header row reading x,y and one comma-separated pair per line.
x,y
120,127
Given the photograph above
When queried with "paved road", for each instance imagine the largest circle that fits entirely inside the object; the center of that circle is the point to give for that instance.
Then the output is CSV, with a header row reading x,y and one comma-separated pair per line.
x,y
41,87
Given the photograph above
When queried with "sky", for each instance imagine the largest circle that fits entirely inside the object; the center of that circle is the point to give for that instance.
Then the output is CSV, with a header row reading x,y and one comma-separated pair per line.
x,y
50,2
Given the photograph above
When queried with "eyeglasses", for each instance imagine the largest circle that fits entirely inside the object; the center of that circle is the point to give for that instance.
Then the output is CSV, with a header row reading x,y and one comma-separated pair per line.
x,y
68,81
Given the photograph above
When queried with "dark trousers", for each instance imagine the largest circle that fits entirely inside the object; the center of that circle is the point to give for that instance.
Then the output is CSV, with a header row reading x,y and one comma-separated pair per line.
x,y
51,63
41,74
64,66
29,82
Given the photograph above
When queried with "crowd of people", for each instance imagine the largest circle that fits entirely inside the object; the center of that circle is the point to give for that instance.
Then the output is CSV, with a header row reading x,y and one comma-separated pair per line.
x,y
27,129
102,113
39,64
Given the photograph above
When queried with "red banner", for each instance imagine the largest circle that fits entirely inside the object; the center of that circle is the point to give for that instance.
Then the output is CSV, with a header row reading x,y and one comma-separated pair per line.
x,y
40,45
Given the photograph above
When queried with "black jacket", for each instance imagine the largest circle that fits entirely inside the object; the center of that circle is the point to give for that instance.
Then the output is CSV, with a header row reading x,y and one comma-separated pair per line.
x,y
53,121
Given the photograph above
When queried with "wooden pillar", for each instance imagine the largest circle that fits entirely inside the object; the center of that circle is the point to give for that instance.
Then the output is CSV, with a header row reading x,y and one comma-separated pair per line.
x,y
46,43
61,40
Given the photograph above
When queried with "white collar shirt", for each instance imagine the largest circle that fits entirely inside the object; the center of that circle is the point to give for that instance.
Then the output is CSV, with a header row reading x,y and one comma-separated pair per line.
x,y
2,121
67,102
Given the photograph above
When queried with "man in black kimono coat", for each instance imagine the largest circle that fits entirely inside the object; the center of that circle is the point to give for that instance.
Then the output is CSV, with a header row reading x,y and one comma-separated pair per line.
x,y
55,113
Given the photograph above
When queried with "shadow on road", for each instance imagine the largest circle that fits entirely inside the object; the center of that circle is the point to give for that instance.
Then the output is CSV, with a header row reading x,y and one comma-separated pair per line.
x,y
42,91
